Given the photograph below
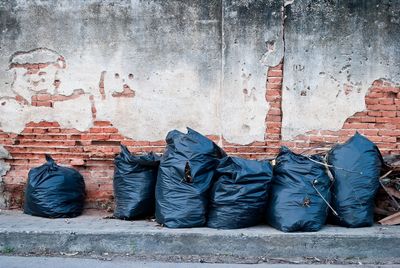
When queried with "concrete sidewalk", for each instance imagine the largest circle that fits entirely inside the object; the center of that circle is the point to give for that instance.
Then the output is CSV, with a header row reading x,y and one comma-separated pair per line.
x,y
92,235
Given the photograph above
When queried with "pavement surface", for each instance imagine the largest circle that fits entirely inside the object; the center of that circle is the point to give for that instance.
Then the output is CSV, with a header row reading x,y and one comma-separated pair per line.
x,y
94,236
56,262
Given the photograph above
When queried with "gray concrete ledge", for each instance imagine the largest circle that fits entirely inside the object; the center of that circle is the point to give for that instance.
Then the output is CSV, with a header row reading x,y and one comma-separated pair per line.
x,y
92,234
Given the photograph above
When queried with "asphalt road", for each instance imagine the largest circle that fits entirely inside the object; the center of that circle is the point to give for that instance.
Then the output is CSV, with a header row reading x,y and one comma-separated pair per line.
x,y
58,262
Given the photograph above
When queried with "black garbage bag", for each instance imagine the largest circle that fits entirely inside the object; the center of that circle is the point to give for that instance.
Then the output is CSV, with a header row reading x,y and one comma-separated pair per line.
x,y
239,195
134,184
184,179
54,191
299,194
356,167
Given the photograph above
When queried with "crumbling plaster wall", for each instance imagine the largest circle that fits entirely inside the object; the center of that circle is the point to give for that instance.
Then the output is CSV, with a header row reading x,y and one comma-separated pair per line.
x,y
4,168
77,78
168,54
151,66
334,50
252,41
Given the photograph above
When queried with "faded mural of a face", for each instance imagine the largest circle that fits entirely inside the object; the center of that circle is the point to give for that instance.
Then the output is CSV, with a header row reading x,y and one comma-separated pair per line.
x,y
35,72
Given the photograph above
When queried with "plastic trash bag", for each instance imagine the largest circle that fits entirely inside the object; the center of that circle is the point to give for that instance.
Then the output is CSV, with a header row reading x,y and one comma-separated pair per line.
x,y
299,193
356,166
54,191
134,184
239,195
184,179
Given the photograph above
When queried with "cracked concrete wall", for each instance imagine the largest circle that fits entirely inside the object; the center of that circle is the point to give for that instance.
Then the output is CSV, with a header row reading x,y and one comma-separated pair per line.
x,y
167,55
334,50
151,66
169,49
4,168
252,41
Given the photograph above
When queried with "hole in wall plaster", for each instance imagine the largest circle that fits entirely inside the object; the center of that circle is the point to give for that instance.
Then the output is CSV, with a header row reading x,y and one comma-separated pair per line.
x,y
270,45
245,127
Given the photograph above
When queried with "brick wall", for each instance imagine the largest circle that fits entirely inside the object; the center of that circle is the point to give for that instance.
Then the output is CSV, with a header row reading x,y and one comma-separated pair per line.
x,y
380,122
92,152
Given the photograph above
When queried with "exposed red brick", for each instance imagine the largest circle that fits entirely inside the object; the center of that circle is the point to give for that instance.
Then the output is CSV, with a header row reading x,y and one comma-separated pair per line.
x,y
102,123
69,147
126,93
109,130
92,152
77,162
272,72
380,121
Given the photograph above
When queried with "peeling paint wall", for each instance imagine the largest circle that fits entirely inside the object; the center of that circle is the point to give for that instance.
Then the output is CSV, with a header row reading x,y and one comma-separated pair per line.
x,y
334,51
168,55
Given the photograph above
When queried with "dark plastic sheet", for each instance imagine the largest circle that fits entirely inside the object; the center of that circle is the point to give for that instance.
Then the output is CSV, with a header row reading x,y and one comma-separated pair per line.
x,y
356,169
298,185
239,195
134,184
184,179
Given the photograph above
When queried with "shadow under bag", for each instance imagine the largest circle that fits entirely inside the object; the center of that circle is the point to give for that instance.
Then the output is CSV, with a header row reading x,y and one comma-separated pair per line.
x,y
54,191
